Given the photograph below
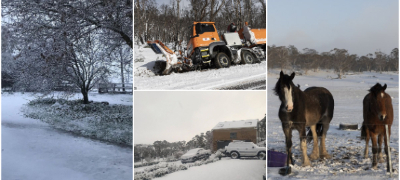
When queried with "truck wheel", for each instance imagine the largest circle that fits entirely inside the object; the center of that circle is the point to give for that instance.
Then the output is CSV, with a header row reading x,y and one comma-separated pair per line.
x,y
222,60
247,58
261,155
235,155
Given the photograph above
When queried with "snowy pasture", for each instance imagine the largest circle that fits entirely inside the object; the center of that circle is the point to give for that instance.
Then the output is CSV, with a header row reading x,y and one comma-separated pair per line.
x,y
145,79
346,148
32,149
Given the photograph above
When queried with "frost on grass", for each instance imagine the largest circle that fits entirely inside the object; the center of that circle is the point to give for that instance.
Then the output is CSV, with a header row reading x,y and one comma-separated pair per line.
x,y
97,120
164,168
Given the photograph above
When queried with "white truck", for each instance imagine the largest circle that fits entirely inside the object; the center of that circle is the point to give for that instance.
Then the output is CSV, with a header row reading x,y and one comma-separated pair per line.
x,y
239,149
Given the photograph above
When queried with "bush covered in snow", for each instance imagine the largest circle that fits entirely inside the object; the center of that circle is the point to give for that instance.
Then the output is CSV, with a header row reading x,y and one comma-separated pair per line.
x,y
164,168
97,120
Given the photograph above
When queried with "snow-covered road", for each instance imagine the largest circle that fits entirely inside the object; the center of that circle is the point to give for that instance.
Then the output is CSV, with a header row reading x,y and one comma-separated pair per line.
x,y
34,150
234,77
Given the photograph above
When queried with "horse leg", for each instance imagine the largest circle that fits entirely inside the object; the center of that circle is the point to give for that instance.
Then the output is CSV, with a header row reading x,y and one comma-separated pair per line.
x,y
315,153
325,127
387,150
303,145
367,137
287,130
374,151
380,158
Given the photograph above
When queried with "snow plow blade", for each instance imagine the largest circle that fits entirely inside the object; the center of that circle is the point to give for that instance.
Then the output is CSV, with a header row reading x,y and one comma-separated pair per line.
x,y
163,67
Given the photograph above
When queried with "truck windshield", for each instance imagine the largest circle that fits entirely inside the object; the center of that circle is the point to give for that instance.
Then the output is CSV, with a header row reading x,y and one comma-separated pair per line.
x,y
202,28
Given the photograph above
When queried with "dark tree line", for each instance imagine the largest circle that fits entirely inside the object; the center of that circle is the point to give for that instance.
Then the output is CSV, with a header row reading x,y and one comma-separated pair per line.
x,y
340,60
170,23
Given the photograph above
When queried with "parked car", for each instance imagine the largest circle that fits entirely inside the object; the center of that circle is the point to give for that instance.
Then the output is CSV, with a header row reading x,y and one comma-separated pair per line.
x,y
244,149
195,154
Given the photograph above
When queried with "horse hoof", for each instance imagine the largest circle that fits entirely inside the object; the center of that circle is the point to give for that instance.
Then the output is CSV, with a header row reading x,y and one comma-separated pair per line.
x,y
326,156
375,167
313,157
306,164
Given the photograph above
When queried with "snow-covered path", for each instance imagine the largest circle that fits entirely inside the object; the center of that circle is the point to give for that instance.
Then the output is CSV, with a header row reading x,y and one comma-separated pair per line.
x,y
34,150
227,168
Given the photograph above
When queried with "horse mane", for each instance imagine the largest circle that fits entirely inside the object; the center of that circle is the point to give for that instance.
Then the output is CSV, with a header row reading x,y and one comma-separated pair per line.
x,y
377,88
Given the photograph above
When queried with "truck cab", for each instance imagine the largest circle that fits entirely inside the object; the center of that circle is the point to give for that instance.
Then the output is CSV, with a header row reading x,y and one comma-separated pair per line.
x,y
204,46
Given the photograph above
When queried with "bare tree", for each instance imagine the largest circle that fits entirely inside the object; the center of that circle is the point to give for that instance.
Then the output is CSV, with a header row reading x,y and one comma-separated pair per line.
x,y
341,61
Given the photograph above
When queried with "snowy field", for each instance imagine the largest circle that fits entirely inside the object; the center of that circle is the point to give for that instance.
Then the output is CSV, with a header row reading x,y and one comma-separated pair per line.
x,y
226,168
195,80
346,148
33,150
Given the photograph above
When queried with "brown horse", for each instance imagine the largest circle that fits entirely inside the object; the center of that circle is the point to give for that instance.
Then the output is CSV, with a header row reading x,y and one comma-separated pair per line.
x,y
377,111
299,109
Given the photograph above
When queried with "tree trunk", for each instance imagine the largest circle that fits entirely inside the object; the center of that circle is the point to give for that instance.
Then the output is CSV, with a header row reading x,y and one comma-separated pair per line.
x,y
85,96
122,75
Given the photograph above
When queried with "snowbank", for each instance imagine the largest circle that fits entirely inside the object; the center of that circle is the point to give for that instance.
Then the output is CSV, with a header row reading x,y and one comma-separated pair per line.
x,y
97,120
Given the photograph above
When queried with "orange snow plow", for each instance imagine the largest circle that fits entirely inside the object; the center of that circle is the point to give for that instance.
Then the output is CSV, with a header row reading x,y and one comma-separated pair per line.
x,y
205,49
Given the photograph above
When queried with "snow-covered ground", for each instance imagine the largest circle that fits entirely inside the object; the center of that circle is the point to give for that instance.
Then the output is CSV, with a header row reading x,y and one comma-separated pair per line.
x,y
34,150
346,148
232,169
197,80
226,168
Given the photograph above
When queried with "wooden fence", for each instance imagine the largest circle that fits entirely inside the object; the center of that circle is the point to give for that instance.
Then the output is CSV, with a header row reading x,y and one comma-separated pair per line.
x,y
115,88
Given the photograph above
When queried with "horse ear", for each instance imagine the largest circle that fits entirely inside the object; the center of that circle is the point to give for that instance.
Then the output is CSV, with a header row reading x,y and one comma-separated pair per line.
x,y
384,87
281,74
292,76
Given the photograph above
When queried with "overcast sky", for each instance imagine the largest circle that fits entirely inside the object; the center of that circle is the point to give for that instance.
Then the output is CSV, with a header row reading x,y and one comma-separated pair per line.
x,y
360,26
180,115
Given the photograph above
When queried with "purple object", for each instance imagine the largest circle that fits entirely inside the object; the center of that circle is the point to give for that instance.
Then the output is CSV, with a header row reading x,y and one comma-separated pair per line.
x,y
276,159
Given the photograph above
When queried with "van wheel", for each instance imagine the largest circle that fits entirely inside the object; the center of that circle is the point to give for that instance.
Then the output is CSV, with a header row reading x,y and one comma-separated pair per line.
x,y
235,155
247,58
261,155
222,60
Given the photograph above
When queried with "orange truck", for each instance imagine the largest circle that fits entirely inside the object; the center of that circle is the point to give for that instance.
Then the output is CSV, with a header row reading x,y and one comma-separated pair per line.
x,y
206,49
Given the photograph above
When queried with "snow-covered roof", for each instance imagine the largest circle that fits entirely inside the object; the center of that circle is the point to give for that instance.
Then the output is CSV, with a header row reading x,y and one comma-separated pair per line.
x,y
236,124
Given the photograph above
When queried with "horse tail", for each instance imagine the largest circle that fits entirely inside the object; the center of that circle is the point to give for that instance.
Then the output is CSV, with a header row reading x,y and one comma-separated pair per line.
x,y
363,132
319,129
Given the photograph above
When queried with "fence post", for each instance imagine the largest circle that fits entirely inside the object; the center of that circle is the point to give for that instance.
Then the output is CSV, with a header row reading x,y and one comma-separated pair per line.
x,y
387,144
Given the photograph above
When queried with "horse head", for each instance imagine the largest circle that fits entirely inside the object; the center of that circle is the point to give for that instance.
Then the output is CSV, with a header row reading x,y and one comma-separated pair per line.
x,y
378,94
284,89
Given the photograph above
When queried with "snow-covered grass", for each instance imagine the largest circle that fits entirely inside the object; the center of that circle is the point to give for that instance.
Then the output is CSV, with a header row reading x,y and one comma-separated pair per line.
x,y
164,168
97,120
145,78
345,146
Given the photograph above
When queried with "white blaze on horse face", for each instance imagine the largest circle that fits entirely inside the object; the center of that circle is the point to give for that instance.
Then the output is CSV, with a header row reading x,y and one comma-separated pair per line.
x,y
288,98
382,95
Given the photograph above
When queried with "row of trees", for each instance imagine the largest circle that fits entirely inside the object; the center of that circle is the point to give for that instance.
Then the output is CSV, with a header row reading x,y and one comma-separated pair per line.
x,y
164,149
338,59
47,42
170,23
